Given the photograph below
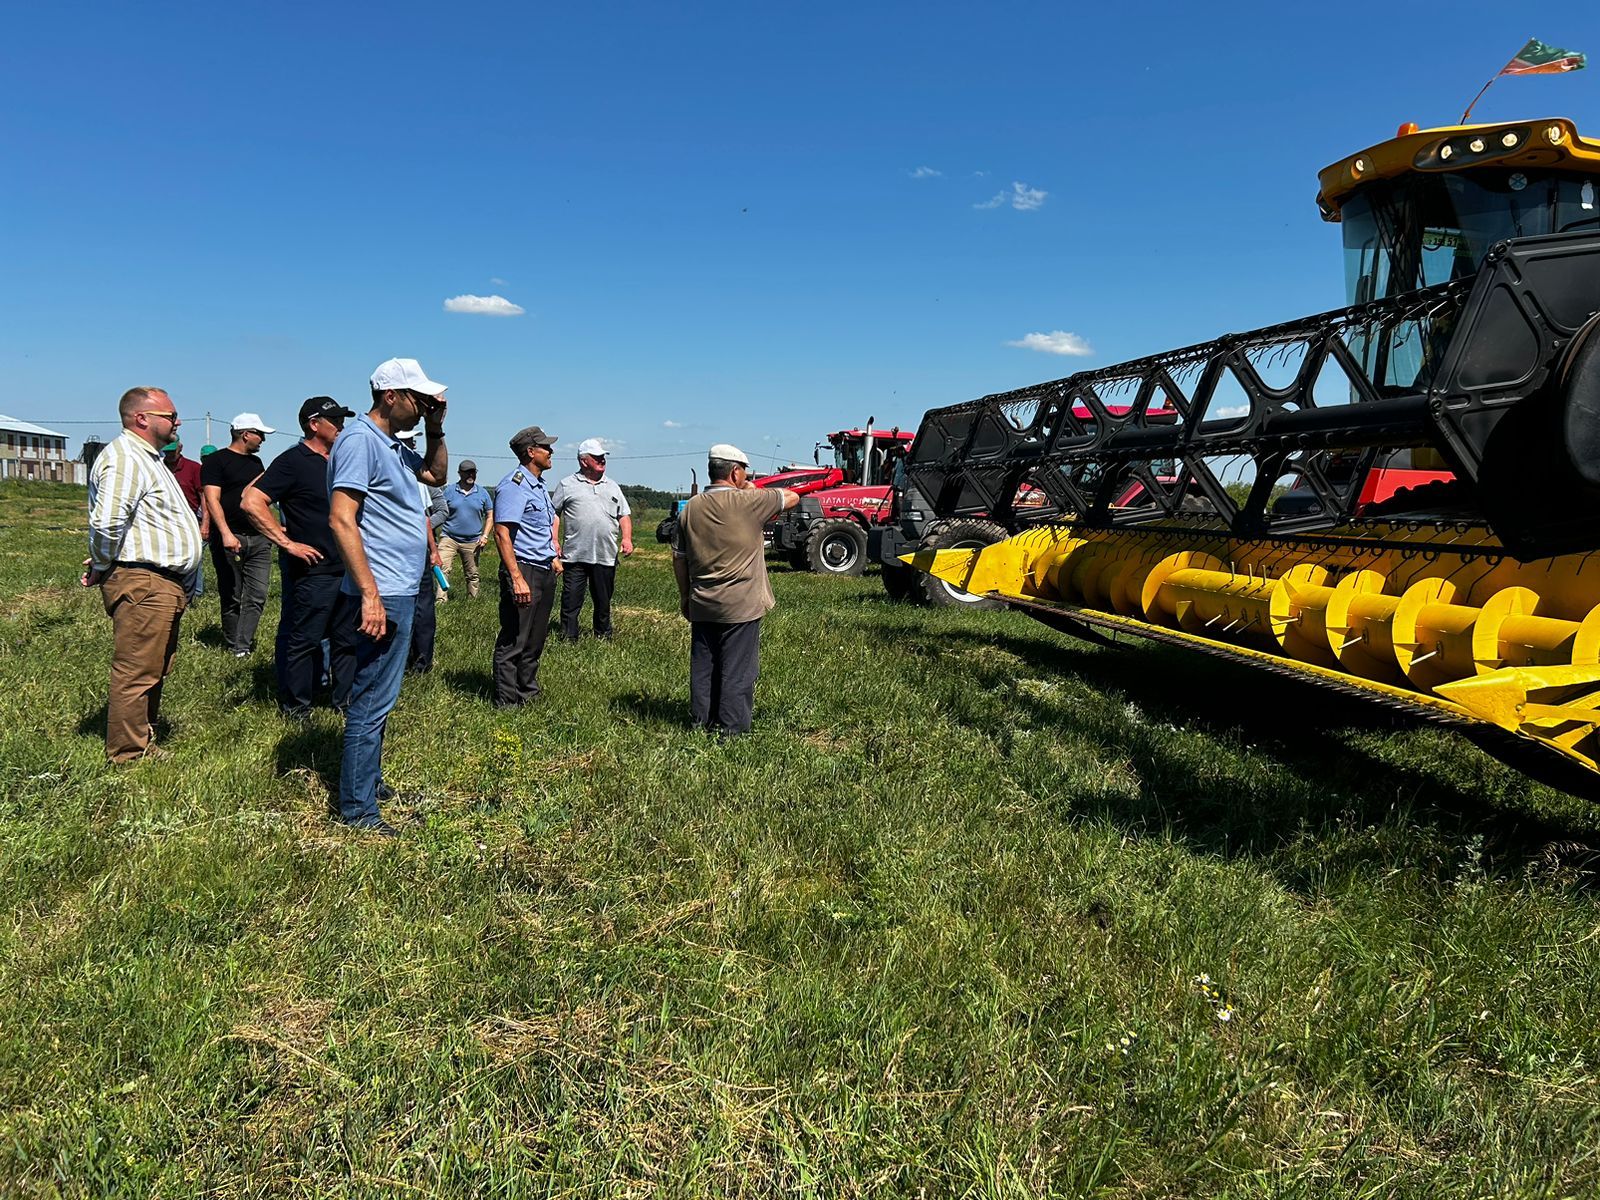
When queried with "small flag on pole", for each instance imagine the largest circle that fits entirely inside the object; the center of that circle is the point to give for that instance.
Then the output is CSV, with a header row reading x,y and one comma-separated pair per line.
x,y
1538,59
1534,59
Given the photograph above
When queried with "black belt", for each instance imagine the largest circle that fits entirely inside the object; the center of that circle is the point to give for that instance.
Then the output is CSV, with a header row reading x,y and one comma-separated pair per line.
x,y
177,577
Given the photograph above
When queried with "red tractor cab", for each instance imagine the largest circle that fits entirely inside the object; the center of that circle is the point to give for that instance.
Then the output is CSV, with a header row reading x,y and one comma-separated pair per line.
x,y
840,500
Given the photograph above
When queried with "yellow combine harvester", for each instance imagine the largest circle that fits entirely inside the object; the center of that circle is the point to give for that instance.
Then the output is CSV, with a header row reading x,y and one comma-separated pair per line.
x,y
1400,498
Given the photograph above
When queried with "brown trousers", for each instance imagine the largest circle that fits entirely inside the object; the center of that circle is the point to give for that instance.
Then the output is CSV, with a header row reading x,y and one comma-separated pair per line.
x,y
144,608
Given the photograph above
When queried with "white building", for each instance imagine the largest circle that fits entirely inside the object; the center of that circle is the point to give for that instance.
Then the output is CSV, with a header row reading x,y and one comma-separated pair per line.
x,y
29,451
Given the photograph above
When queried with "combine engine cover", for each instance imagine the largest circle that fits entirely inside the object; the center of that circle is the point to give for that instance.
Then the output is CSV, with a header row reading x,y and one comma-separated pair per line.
x,y
1229,496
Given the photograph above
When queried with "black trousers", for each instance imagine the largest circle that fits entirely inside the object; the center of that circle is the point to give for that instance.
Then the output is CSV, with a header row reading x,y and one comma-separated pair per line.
x,y
601,579
423,626
724,661
523,630
306,622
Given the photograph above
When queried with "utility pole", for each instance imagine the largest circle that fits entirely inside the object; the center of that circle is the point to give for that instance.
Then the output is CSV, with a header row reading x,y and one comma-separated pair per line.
x,y
209,442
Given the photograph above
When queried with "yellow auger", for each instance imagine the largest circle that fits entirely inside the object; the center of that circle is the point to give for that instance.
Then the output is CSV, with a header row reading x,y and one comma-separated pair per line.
x,y
1481,637
1400,498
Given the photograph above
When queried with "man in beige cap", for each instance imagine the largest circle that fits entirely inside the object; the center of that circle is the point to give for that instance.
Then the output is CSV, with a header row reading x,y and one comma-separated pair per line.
x,y
720,563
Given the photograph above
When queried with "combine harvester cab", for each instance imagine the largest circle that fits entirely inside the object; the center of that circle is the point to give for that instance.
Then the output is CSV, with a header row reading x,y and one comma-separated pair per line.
x,y
1399,499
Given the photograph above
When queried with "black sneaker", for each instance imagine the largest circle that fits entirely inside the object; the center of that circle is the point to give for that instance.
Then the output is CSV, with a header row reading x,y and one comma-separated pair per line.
x,y
385,792
379,828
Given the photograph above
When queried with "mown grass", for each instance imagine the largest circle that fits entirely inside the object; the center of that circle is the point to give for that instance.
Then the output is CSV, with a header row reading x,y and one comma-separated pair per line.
x,y
963,917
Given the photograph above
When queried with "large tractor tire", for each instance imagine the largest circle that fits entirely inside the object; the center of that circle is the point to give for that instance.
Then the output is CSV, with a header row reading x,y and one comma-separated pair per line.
x,y
962,534
837,547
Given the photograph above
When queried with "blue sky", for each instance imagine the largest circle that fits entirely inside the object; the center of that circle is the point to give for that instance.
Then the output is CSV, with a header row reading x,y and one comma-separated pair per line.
x,y
724,222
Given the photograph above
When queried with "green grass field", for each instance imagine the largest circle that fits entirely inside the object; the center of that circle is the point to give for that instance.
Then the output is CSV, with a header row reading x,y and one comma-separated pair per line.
x,y
977,911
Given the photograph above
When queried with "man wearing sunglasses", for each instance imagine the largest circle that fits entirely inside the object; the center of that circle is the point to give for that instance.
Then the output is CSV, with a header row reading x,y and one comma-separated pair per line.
x,y
378,524
242,557
144,553
591,512
309,566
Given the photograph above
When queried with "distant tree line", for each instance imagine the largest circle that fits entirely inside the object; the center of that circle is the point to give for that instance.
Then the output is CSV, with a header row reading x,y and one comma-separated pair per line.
x,y
640,496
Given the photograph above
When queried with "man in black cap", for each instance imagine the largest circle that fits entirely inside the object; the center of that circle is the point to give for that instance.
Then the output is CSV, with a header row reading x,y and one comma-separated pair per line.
x,y
468,527
308,558
530,560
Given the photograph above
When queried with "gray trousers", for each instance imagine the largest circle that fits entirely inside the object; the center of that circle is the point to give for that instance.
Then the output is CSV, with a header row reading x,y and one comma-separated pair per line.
x,y
724,661
242,583
523,629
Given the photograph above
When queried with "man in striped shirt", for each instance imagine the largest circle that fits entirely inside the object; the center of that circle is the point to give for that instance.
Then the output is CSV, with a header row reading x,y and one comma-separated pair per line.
x,y
144,553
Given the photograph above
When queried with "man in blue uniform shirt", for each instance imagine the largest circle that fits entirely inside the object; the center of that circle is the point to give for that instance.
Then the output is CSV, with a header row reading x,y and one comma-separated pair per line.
x,y
529,564
376,514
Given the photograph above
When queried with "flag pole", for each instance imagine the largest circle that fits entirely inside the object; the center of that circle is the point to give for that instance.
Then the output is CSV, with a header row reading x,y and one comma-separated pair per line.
x,y
1476,98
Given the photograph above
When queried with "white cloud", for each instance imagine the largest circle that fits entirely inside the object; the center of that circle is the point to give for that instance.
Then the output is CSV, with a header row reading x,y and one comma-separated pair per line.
x,y
672,424
497,281
484,306
1224,413
1021,197
980,174
1058,341
1025,198
925,173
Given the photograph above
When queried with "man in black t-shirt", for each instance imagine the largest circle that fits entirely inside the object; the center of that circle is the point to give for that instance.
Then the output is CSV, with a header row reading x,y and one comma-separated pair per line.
x,y
243,558
308,556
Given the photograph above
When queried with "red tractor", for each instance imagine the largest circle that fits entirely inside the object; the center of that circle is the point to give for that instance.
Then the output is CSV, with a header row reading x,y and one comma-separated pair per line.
x,y
839,501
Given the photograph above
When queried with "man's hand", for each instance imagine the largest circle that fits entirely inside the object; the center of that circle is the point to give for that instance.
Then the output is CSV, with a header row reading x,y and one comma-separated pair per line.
x,y
230,543
91,574
627,545
521,593
556,566
436,558
374,621
433,415
309,555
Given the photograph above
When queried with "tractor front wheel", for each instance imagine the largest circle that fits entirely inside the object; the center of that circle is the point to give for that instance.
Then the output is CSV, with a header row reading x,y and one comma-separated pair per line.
x,y
837,547
957,535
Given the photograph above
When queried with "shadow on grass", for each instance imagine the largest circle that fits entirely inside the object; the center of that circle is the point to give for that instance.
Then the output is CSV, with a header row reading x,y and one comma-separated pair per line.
x,y
307,747
211,635
471,681
662,711
1313,735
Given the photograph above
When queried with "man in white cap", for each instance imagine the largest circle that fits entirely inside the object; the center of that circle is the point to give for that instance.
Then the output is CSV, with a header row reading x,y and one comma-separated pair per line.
x,y
241,554
591,513
721,567
376,514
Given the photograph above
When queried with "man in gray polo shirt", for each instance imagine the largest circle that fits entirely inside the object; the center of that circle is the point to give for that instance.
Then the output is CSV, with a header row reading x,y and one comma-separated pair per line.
x,y
591,512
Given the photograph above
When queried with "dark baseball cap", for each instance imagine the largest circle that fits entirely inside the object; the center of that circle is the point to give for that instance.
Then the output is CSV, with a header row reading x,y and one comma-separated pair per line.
x,y
531,436
322,406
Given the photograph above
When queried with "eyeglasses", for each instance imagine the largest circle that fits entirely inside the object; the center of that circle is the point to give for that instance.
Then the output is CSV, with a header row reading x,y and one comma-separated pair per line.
x,y
156,412
598,457
336,422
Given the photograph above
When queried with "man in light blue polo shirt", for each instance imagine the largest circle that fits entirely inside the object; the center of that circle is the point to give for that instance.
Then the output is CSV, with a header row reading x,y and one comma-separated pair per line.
x,y
466,530
376,513
529,564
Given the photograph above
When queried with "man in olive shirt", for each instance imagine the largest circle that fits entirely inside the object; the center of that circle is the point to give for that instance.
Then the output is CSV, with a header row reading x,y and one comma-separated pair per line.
x,y
721,567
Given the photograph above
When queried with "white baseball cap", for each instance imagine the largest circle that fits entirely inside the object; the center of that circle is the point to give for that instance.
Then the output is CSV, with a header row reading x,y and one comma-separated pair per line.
x,y
592,446
406,435
404,375
251,421
730,453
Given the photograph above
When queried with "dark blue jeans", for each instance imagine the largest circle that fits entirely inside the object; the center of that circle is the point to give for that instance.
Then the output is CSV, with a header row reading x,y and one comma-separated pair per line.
x,y
379,666
306,622
420,657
